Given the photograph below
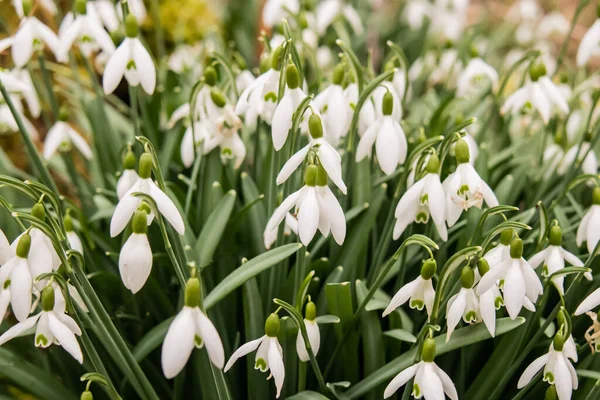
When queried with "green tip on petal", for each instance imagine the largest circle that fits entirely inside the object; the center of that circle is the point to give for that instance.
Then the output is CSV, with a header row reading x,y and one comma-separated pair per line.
x,y
210,76
87,395
139,222
555,236
311,311
315,126
63,114
292,76
48,298
461,151
467,277
81,6
322,176
38,211
428,352
338,74
596,196
145,167
506,237
193,292
131,26
310,177
272,325
483,266
387,104
433,164
24,245
129,160
428,268
516,248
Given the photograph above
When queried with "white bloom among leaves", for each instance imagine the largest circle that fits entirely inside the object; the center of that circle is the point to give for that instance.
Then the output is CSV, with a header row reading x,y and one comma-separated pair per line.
x,y
470,78
500,252
464,304
589,46
588,227
269,356
333,106
275,11
62,137
312,331
190,328
72,237
489,301
129,175
131,60
135,259
31,35
284,112
431,382
420,291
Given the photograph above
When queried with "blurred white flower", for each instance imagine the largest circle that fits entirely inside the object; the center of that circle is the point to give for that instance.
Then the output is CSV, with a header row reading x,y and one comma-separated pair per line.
x,y
590,162
275,11
554,26
328,10
470,78
31,36
588,227
61,137
589,46
48,5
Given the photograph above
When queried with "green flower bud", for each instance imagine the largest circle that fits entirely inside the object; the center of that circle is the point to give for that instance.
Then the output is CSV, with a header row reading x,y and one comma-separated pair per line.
x,y
428,269
537,70
555,236
87,395
218,97
145,166
48,298
131,26
338,74
302,21
292,76
193,293
315,126
559,342
551,393
139,222
276,58
467,277
387,104
474,51
596,196
210,76
322,176
433,164
27,6
81,6
24,245
38,211
63,114
68,222
129,160
310,176
506,237
483,266
516,248
272,325
428,352
310,311
461,152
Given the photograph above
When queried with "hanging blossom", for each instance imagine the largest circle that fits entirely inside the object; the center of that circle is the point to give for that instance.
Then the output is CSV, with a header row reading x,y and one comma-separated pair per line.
x,y
316,208
328,10
501,252
426,197
558,370
387,136
269,356
553,259
588,227
553,27
464,304
585,155
312,331
52,326
284,112
39,240
84,30
470,78
464,187
129,176
131,60
291,225
106,12
135,259
590,43
540,93
274,11
431,382
190,328
420,291
490,300
521,286
62,137
130,203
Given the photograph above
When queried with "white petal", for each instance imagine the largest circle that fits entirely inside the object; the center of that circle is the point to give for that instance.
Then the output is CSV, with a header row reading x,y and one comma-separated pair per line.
x,y
402,296
367,140
437,205
538,258
282,120
65,337
6,252
80,143
178,343
124,210
407,207
19,329
331,161
456,309
399,380
308,216
487,308
243,350
115,68
56,136
387,146
531,370
514,290
20,289
562,378
281,211
135,261
22,48
276,365
211,339
431,384
447,383
292,164
335,214
589,303
490,278
167,208
144,66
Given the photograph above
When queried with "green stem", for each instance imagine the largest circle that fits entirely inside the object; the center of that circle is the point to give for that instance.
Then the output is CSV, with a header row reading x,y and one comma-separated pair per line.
x,y
299,272
135,119
48,85
563,48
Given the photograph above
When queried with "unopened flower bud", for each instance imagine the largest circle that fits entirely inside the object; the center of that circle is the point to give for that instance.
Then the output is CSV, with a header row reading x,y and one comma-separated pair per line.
x,y
555,236
474,51
506,237
310,311
145,166
292,78
38,211
315,126
210,76
272,325
428,352
193,292
87,395
24,245
68,222
131,26
433,164
537,70
461,152
516,248
48,298
428,268
310,176
387,104
139,223
467,277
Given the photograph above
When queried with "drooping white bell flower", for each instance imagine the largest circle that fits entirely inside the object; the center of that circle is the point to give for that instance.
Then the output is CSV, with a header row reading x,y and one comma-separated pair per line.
x,y
269,356
464,187
423,199
13,83
192,140
589,303
130,203
106,12
190,328
30,95
21,5
31,36
87,32
244,79
5,250
540,93
430,382
291,225
554,26
62,137
553,259
500,252
333,106
489,301
325,153
378,96
420,291
588,227
589,164
52,326
416,13
387,136
185,58
72,237
464,304
589,46
450,22
558,370
328,10
40,241
284,112
366,115
135,259
553,154
524,11
470,78
521,286
131,60
274,11
60,302
445,71
128,177
312,331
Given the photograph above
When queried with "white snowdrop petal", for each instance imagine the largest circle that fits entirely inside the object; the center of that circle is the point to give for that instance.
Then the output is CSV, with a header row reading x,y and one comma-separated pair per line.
x,y
400,380
531,370
19,329
178,343
65,337
308,216
210,338
589,303
167,208
135,261
243,350
116,66
20,289
276,364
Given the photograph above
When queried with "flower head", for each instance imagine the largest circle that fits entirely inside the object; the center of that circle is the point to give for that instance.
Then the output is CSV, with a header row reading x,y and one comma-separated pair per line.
x,y
420,291
587,230
312,330
61,137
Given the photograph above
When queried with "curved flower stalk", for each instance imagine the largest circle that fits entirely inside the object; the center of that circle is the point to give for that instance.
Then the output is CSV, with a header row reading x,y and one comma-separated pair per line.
x,y
129,176
53,326
312,330
190,328
464,188
333,106
470,78
420,291
553,259
587,230
269,356
589,46
423,199
135,259
521,286
130,203
328,10
387,136
283,115
131,60
274,11
431,382
62,137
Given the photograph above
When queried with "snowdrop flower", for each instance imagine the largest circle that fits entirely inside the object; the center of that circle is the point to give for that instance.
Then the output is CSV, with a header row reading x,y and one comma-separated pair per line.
x,y
131,60
192,140
489,301
40,241
106,12
135,259
420,291
185,58
589,45
327,155
470,78
130,203
558,370
291,225
553,155
589,303
378,95
431,382
72,237
30,36
426,197
328,10
521,285
416,12
275,11
7,119
553,26
524,11
29,94
190,328
540,93
5,250
244,79
12,83
17,275
333,106
589,164
269,355
388,137
501,252
284,112
464,188
53,326
588,227
312,330
554,257
87,31
129,176
61,137
446,70
464,304
22,5
366,115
